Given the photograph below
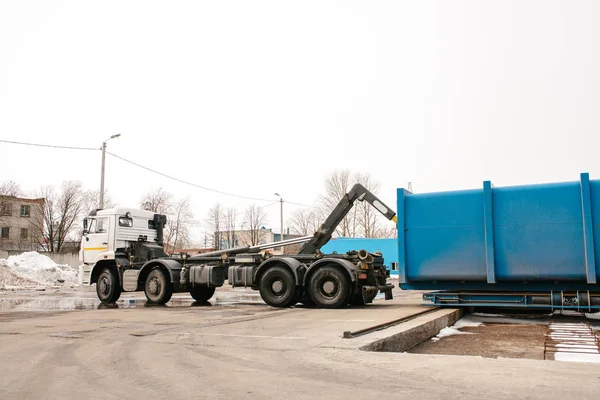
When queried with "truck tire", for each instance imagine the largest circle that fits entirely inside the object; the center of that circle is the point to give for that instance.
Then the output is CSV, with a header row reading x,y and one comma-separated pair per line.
x,y
202,294
158,288
277,287
329,287
108,287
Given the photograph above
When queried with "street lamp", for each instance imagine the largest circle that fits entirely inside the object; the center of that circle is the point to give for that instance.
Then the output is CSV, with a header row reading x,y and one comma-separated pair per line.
x,y
101,204
281,215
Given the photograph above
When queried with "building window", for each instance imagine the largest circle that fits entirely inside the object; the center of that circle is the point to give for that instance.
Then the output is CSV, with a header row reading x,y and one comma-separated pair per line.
x,y
24,233
25,211
5,232
6,209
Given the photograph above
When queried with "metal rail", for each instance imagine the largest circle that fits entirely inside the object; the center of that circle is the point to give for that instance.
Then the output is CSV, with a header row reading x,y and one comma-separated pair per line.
x,y
350,335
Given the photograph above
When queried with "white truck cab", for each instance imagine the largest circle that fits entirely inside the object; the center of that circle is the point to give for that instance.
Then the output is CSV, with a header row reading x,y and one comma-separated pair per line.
x,y
110,229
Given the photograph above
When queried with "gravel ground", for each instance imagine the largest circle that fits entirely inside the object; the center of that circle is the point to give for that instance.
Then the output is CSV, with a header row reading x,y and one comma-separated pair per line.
x,y
491,340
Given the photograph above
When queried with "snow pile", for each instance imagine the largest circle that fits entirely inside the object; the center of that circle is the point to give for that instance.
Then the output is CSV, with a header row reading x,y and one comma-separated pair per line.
x,y
32,268
454,329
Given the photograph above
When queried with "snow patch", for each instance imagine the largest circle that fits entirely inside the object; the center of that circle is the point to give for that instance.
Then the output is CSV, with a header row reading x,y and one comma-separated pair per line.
x,y
454,329
593,316
449,331
480,314
466,321
32,268
577,357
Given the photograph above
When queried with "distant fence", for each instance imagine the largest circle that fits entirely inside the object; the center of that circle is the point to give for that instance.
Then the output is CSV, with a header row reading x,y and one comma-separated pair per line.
x,y
71,259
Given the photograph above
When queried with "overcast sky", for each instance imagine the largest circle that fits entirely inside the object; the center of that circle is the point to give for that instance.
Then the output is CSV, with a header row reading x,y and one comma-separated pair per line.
x,y
257,97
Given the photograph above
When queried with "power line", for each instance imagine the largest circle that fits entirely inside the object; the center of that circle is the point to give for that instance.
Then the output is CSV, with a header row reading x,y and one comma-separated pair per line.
x,y
265,206
154,171
50,145
299,204
186,182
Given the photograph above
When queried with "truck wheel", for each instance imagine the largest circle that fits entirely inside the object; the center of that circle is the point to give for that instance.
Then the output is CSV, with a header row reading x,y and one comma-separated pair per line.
x,y
108,287
329,287
202,294
277,287
158,288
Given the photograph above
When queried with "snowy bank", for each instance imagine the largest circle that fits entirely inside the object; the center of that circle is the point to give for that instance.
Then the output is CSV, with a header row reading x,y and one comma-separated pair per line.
x,y
32,268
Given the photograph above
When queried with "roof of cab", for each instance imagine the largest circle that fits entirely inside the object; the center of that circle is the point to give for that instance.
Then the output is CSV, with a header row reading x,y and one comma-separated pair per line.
x,y
124,210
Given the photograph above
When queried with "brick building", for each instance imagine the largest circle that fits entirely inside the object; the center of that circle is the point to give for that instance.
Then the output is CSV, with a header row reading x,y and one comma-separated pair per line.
x,y
18,218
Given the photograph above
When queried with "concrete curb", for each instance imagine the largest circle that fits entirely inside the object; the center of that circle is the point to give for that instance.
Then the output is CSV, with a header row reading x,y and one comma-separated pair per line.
x,y
411,333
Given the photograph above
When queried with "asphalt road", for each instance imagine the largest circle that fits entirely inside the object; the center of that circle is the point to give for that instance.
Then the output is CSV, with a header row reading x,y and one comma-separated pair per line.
x,y
245,349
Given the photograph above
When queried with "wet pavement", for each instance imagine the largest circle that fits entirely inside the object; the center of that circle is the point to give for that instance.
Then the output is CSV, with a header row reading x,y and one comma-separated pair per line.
x,y
84,298
68,298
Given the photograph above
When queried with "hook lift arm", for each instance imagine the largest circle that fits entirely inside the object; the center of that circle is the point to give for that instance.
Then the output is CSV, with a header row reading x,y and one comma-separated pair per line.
x,y
325,231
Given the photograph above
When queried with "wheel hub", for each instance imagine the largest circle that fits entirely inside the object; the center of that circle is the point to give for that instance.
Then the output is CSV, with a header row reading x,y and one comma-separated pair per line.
x,y
277,286
154,286
329,288
104,286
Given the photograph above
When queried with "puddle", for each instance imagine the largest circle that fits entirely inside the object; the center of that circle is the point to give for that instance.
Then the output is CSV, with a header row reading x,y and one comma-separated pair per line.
x,y
78,303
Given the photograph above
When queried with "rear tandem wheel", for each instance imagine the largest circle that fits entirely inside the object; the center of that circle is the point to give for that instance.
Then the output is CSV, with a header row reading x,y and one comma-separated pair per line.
x,y
329,287
277,287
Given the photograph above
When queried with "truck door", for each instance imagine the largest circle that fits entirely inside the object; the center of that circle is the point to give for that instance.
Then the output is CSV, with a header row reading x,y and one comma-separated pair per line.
x,y
97,239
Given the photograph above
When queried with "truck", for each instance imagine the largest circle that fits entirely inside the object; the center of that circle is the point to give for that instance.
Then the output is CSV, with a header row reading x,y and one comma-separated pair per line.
x,y
122,251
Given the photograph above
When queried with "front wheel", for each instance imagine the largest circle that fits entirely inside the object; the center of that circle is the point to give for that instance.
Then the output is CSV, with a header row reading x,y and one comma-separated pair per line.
x,y
329,287
158,288
108,287
202,293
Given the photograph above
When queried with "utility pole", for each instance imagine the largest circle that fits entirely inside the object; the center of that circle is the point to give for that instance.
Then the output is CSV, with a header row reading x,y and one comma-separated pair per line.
x,y
101,203
281,218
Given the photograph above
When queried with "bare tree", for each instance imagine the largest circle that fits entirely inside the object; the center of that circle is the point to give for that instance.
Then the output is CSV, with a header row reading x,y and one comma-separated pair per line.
x,y
304,221
57,215
229,226
91,200
363,220
389,232
254,218
177,231
367,215
215,222
337,184
157,200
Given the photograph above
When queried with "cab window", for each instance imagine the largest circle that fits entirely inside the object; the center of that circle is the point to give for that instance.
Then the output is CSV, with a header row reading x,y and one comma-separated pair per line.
x,y
125,221
99,225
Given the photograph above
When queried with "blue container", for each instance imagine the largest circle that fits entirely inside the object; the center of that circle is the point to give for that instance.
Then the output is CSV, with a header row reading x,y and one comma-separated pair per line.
x,y
542,237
